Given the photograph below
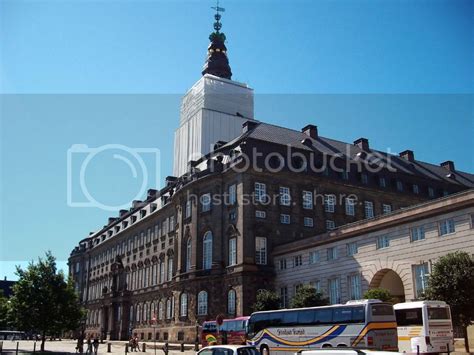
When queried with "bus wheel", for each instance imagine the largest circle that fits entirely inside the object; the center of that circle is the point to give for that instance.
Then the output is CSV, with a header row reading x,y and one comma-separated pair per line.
x,y
342,346
264,350
327,346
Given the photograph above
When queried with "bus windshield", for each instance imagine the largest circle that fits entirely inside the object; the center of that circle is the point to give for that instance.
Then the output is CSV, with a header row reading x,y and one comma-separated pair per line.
x,y
438,313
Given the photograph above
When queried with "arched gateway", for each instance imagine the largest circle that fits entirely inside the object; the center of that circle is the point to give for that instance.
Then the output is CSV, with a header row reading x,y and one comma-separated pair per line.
x,y
391,281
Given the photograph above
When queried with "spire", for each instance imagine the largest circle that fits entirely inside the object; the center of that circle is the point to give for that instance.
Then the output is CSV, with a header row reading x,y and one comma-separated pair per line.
x,y
217,62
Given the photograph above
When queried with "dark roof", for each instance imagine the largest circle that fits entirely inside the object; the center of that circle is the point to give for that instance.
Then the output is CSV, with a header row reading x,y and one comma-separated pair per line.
x,y
6,287
285,136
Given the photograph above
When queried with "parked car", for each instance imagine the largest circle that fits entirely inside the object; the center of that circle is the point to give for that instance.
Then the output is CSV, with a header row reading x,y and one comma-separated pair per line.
x,y
228,350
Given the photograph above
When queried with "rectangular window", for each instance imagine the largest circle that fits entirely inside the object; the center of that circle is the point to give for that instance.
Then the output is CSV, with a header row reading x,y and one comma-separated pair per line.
x,y
329,203
206,202
188,209
334,291
308,222
330,225
307,200
284,297
285,219
282,264
446,227
382,182
285,197
316,285
417,233
172,224
383,241
261,250
314,257
232,251
260,192
297,260
430,192
364,178
421,274
260,214
232,194
355,287
332,253
369,209
416,189
350,207
352,249
386,208
399,185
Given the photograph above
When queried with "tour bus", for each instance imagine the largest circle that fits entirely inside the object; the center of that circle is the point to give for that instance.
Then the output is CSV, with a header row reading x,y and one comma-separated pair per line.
x,y
12,335
232,331
424,327
368,324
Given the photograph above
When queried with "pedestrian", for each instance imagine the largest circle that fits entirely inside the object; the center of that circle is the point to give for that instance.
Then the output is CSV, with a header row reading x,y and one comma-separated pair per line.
x,y
89,345
80,345
96,345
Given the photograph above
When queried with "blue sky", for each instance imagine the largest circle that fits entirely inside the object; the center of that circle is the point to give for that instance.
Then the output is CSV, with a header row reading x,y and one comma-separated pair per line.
x,y
112,72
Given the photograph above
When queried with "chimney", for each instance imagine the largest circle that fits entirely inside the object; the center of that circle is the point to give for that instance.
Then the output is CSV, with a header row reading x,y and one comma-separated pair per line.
x,y
151,193
248,126
311,130
112,220
408,155
123,213
448,165
192,164
136,204
362,143
218,144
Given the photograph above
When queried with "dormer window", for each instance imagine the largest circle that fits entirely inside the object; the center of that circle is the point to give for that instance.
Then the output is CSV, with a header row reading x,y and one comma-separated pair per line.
x,y
153,207
124,224
133,219
142,213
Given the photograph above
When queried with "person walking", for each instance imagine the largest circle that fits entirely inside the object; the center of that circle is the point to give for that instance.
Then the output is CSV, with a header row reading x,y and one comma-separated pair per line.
x,y
80,345
96,345
89,345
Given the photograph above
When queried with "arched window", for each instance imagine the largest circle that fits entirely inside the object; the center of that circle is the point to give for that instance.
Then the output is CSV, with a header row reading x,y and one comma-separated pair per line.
x,y
170,268
160,310
202,303
168,308
162,271
231,302
183,307
188,254
207,251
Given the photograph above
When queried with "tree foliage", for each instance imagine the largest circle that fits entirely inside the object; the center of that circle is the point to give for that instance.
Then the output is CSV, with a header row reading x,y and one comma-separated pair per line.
x,y
452,280
43,301
307,296
3,311
266,301
379,294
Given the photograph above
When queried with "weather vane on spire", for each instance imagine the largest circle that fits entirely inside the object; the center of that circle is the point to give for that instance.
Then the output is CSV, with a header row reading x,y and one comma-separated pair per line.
x,y
217,16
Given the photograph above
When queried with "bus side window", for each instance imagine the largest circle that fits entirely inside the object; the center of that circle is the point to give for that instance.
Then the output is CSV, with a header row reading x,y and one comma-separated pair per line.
x,y
358,315
290,318
306,317
323,316
342,315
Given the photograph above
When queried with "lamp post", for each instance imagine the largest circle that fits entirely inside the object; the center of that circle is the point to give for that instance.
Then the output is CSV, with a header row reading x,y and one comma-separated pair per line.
x,y
196,341
153,322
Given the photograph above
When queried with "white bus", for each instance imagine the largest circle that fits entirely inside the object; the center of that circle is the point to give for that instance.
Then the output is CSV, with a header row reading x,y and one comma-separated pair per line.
x,y
362,324
424,326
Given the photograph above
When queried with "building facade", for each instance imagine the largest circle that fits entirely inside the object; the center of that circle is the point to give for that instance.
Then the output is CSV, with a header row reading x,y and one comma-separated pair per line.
x,y
207,242
395,252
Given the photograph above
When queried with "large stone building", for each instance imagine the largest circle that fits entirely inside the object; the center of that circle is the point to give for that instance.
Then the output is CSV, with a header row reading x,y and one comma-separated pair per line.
x,y
204,244
395,251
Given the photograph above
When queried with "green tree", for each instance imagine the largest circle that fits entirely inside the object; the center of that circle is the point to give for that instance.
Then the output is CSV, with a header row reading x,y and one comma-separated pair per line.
x,y
452,280
43,301
307,296
3,311
379,294
266,301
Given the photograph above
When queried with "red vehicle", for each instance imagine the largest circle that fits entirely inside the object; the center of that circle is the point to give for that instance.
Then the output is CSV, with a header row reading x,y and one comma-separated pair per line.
x,y
232,331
